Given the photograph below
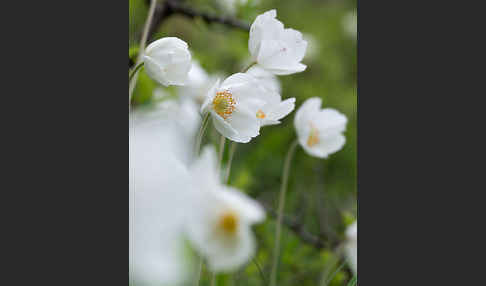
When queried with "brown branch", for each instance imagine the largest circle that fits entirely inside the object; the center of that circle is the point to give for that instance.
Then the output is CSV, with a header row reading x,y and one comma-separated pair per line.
x,y
298,228
171,7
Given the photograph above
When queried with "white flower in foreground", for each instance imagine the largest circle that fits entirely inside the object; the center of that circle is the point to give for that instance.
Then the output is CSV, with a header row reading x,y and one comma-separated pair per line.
x,y
168,61
351,247
275,48
233,105
219,224
158,197
320,130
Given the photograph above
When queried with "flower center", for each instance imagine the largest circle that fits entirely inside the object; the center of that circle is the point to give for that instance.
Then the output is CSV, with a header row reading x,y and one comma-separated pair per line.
x,y
229,223
224,104
260,114
313,136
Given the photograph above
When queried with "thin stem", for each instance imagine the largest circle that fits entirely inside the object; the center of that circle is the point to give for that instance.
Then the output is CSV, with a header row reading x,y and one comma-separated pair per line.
x,y
143,42
248,67
222,142
139,66
198,277
213,279
230,160
259,270
281,204
200,134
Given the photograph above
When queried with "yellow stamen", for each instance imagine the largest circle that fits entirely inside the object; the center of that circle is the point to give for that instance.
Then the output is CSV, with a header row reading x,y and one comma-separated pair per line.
x,y
224,104
260,114
313,137
229,223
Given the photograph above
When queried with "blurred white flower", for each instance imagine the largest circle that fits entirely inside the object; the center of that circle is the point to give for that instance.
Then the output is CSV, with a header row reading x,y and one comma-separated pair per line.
x,y
312,46
233,105
159,193
198,84
350,24
168,61
275,48
320,130
351,247
219,225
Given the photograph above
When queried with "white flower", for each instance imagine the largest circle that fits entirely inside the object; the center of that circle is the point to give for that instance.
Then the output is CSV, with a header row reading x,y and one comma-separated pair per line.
x,y
320,130
219,226
168,61
275,48
351,247
198,84
350,24
158,200
233,105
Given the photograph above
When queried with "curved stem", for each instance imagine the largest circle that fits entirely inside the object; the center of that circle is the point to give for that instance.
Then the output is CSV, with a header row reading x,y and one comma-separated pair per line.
x,y
222,142
248,67
139,66
143,42
230,160
200,134
281,204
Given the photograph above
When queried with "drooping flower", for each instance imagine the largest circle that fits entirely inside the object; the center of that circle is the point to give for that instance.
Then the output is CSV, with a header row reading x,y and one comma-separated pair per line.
x,y
233,105
351,247
168,61
219,225
275,48
319,130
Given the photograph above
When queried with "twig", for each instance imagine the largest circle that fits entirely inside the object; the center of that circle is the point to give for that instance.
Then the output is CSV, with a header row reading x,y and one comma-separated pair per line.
x,y
298,228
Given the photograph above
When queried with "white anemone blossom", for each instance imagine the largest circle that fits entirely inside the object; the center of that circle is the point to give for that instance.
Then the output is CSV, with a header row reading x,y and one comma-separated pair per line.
x,y
320,130
168,61
274,108
351,247
219,224
233,105
275,48
159,194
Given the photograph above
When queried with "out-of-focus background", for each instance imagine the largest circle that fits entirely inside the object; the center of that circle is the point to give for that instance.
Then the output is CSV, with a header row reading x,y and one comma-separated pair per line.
x,y
322,193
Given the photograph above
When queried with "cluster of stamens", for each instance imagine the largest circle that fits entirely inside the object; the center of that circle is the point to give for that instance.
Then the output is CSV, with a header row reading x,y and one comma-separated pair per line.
x,y
224,104
260,114
313,136
228,222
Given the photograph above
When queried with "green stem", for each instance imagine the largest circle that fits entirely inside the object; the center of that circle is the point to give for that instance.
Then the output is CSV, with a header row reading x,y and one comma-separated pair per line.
x,y
200,134
230,160
248,67
281,204
222,142
213,279
198,277
134,71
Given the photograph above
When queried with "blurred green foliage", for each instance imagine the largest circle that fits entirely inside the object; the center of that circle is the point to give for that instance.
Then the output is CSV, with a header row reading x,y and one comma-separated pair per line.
x,y
322,193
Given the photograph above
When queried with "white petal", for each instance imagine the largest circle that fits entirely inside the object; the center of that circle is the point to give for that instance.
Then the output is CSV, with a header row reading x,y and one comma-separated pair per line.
x,y
305,112
264,26
281,110
329,122
154,70
326,146
245,123
209,97
165,43
223,127
248,209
